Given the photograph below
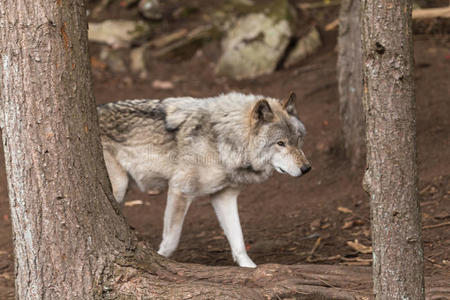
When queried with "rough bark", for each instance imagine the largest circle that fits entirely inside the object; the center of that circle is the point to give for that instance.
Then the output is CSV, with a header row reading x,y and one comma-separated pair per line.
x,y
63,222
391,177
170,280
349,70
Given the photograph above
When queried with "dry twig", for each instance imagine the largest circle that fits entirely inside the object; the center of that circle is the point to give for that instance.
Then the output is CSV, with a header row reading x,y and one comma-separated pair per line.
x,y
436,225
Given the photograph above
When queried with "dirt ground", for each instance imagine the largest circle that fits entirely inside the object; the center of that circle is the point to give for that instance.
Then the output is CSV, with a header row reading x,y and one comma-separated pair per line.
x,y
288,220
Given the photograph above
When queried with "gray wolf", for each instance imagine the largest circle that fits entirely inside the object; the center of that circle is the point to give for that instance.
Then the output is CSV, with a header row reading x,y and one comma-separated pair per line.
x,y
199,147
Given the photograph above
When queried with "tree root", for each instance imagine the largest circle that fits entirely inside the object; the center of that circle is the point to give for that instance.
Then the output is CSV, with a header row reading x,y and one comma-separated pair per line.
x,y
146,275
143,274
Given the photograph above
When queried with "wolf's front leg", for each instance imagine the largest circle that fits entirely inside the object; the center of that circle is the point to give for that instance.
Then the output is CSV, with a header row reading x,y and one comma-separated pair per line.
x,y
225,205
176,208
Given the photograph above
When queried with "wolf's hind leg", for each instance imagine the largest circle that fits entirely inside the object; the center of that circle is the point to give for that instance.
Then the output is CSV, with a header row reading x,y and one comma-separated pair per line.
x,y
225,205
117,175
176,208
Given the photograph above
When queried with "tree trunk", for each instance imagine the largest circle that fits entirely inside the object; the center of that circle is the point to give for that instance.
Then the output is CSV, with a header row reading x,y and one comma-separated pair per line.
x,y
349,69
63,220
391,177
70,240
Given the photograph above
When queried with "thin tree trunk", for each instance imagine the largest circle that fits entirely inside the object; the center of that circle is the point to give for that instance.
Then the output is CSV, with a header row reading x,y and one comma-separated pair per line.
x,y
391,177
349,68
63,222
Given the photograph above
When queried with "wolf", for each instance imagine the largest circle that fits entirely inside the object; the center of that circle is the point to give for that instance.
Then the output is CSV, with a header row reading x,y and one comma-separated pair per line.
x,y
201,147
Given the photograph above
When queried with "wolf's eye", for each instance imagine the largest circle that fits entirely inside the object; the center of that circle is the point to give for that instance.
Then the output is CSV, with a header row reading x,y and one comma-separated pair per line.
x,y
281,144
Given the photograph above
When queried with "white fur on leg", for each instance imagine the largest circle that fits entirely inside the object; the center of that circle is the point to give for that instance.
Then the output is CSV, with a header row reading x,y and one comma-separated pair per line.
x,y
225,205
117,175
176,209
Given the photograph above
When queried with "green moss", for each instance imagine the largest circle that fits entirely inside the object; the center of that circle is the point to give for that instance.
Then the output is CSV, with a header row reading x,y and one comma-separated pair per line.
x,y
281,10
237,7
141,30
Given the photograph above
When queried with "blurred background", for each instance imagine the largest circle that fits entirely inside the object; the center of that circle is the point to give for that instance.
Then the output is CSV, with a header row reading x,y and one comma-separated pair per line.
x,y
163,48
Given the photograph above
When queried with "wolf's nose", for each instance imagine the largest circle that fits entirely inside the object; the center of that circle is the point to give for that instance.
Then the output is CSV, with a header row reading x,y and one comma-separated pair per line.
x,y
305,169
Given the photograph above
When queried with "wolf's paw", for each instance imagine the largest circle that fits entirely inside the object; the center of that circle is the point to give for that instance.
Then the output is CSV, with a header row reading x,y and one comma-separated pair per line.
x,y
163,251
245,262
248,265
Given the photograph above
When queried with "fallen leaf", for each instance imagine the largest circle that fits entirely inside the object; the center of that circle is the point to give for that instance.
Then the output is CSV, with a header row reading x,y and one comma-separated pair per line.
x,y
316,245
134,203
348,224
315,224
332,25
7,276
429,189
153,192
344,210
359,247
426,216
325,226
359,222
162,85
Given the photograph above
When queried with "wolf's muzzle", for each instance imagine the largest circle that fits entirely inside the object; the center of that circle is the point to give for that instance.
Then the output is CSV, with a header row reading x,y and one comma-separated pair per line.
x,y
305,169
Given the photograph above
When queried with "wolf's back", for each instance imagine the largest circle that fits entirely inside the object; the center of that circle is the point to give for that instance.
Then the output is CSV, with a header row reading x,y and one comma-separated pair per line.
x,y
124,120
130,121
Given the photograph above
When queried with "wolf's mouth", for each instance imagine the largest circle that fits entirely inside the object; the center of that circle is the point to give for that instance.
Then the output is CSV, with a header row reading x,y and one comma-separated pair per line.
x,y
281,170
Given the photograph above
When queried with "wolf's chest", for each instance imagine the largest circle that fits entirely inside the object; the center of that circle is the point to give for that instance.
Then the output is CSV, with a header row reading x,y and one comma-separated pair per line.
x,y
200,180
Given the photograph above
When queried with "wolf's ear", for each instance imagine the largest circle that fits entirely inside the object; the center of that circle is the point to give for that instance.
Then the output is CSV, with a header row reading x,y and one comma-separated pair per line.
x,y
288,104
262,112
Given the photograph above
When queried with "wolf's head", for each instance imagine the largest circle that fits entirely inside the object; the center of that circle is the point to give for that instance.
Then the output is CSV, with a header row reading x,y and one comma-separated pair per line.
x,y
277,135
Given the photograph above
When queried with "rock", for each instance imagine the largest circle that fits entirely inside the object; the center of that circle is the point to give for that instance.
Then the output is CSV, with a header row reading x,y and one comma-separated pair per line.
x,y
256,42
150,9
113,60
306,46
118,33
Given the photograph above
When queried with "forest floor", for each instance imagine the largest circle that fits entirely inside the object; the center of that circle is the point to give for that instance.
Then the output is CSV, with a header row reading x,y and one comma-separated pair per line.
x,y
289,220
